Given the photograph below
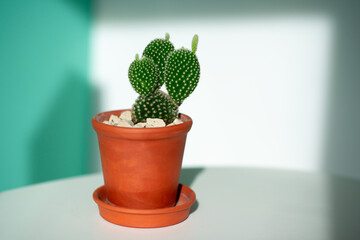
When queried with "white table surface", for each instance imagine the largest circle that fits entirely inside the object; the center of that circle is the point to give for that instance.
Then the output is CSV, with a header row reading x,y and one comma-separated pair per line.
x,y
233,203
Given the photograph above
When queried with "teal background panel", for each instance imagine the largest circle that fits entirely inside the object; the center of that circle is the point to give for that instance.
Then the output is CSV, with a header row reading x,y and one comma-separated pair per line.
x,y
45,92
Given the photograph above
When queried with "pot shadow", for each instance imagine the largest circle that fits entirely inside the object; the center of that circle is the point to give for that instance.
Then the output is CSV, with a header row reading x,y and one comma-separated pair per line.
x,y
188,176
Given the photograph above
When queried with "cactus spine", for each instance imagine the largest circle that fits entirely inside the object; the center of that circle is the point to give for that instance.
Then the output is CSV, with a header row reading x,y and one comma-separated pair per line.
x,y
180,70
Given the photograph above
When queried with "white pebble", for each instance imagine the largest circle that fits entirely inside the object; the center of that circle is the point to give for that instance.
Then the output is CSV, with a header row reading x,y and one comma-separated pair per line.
x,y
154,122
177,121
140,125
126,115
114,119
124,123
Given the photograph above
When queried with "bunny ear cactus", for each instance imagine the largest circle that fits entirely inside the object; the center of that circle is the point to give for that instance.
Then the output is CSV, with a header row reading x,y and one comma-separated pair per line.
x,y
182,72
158,50
179,69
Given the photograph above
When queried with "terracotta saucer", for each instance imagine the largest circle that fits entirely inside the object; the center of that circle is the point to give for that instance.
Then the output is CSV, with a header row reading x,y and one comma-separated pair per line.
x,y
145,218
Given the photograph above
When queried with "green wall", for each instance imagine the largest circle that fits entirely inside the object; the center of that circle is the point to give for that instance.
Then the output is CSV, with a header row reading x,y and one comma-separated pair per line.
x,y
45,95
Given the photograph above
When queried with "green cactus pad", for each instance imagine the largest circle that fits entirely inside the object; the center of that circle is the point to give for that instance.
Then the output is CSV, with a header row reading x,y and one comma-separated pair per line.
x,y
182,73
143,75
155,105
158,50
194,43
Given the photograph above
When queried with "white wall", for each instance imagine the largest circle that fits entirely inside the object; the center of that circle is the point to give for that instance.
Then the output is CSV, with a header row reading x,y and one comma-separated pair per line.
x,y
262,94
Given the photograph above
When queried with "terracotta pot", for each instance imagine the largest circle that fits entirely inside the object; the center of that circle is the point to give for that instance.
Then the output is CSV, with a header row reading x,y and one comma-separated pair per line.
x,y
141,166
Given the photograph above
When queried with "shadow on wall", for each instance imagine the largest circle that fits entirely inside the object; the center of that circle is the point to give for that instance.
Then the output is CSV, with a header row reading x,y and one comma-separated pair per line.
x,y
342,139
61,144
84,7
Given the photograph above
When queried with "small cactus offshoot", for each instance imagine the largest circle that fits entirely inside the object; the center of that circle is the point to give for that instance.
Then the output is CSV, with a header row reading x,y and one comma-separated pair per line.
x,y
158,50
179,69
143,75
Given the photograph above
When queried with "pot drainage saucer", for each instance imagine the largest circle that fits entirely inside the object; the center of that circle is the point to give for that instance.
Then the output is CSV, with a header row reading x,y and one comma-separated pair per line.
x,y
145,218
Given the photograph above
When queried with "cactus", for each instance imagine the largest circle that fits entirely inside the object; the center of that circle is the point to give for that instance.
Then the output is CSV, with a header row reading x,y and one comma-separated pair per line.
x,y
179,69
182,72
155,105
143,75
158,50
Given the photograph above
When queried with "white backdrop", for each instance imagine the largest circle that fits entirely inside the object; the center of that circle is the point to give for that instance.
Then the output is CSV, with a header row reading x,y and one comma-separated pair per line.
x,y
262,93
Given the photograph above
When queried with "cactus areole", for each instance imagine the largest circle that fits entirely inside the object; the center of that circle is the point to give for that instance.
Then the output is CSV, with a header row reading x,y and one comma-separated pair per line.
x,y
161,63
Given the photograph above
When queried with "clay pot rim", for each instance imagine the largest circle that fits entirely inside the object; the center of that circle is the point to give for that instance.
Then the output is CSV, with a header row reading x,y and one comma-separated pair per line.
x,y
139,133
190,194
